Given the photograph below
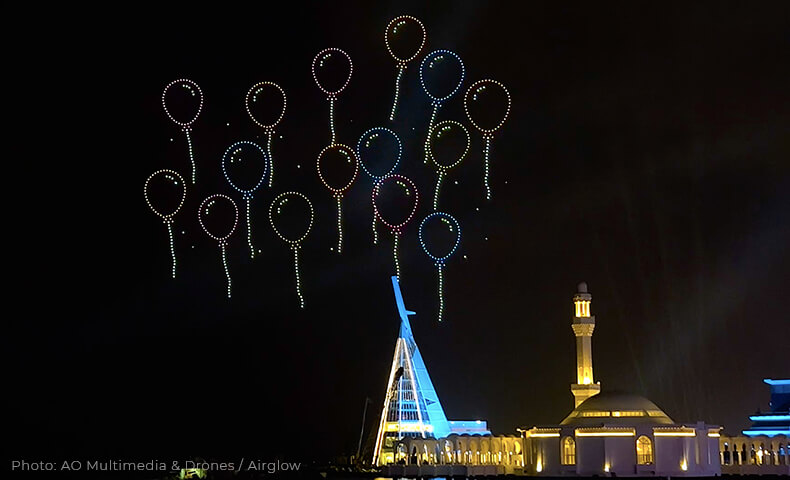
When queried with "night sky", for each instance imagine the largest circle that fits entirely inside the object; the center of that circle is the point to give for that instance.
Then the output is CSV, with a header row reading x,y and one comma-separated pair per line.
x,y
647,153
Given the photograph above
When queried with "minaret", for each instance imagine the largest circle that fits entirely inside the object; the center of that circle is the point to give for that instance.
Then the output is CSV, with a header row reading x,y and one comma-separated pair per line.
x,y
583,326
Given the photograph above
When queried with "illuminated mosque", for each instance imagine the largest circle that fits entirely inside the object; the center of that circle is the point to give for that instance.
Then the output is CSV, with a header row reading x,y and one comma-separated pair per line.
x,y
608,433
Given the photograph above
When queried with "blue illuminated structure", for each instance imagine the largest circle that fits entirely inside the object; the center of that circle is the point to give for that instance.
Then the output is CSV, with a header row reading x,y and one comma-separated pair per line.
x,y
411,405
777,421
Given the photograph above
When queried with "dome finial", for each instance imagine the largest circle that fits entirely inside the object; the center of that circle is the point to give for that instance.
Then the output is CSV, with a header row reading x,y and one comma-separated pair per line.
x,y
582,287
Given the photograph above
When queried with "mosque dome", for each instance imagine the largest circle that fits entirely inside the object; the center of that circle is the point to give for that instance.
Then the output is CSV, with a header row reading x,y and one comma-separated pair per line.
x,y
617,408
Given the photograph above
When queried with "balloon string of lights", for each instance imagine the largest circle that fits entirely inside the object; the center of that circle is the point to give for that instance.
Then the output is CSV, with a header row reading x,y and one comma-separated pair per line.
x,y
167,218
269,135
401,68
392,28
440,269
486,149
472,93
247,199
337,192
194,91
169,224
222,240
191,154
332,118
268,128
338,201
436,192
396,234
225,264
439,261
295,249
375,232
295,244
434,111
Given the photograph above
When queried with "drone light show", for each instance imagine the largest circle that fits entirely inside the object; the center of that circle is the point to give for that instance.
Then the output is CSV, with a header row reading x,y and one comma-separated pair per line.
x,y
487,105
265,104
332,70
182,100
244,166
214,215
175,188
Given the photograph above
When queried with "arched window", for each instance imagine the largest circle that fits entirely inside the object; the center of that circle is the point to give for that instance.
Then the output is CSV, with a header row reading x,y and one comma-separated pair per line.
x,y
644,451
568,451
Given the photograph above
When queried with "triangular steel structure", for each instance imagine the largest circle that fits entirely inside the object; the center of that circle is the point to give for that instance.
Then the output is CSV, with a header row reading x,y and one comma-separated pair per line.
x,y
411,406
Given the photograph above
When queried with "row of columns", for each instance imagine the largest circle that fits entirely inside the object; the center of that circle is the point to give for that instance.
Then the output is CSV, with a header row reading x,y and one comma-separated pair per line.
x,y
753,451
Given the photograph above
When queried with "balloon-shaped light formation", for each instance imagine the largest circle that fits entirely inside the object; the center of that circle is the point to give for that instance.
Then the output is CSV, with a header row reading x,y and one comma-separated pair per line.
x,y
408,190
437,64
276,212
186,102
450,224
330,161
486,117
380,145
266,113
332,69
446,150
172,180
205,211
247,156
397,33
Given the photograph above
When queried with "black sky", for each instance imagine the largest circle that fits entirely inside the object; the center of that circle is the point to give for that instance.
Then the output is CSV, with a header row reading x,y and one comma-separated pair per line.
x,y
647,153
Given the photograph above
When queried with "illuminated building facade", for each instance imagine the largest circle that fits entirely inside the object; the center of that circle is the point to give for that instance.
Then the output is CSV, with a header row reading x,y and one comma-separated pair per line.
x,y
606,434
615,433
764,447
621,434
411,406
